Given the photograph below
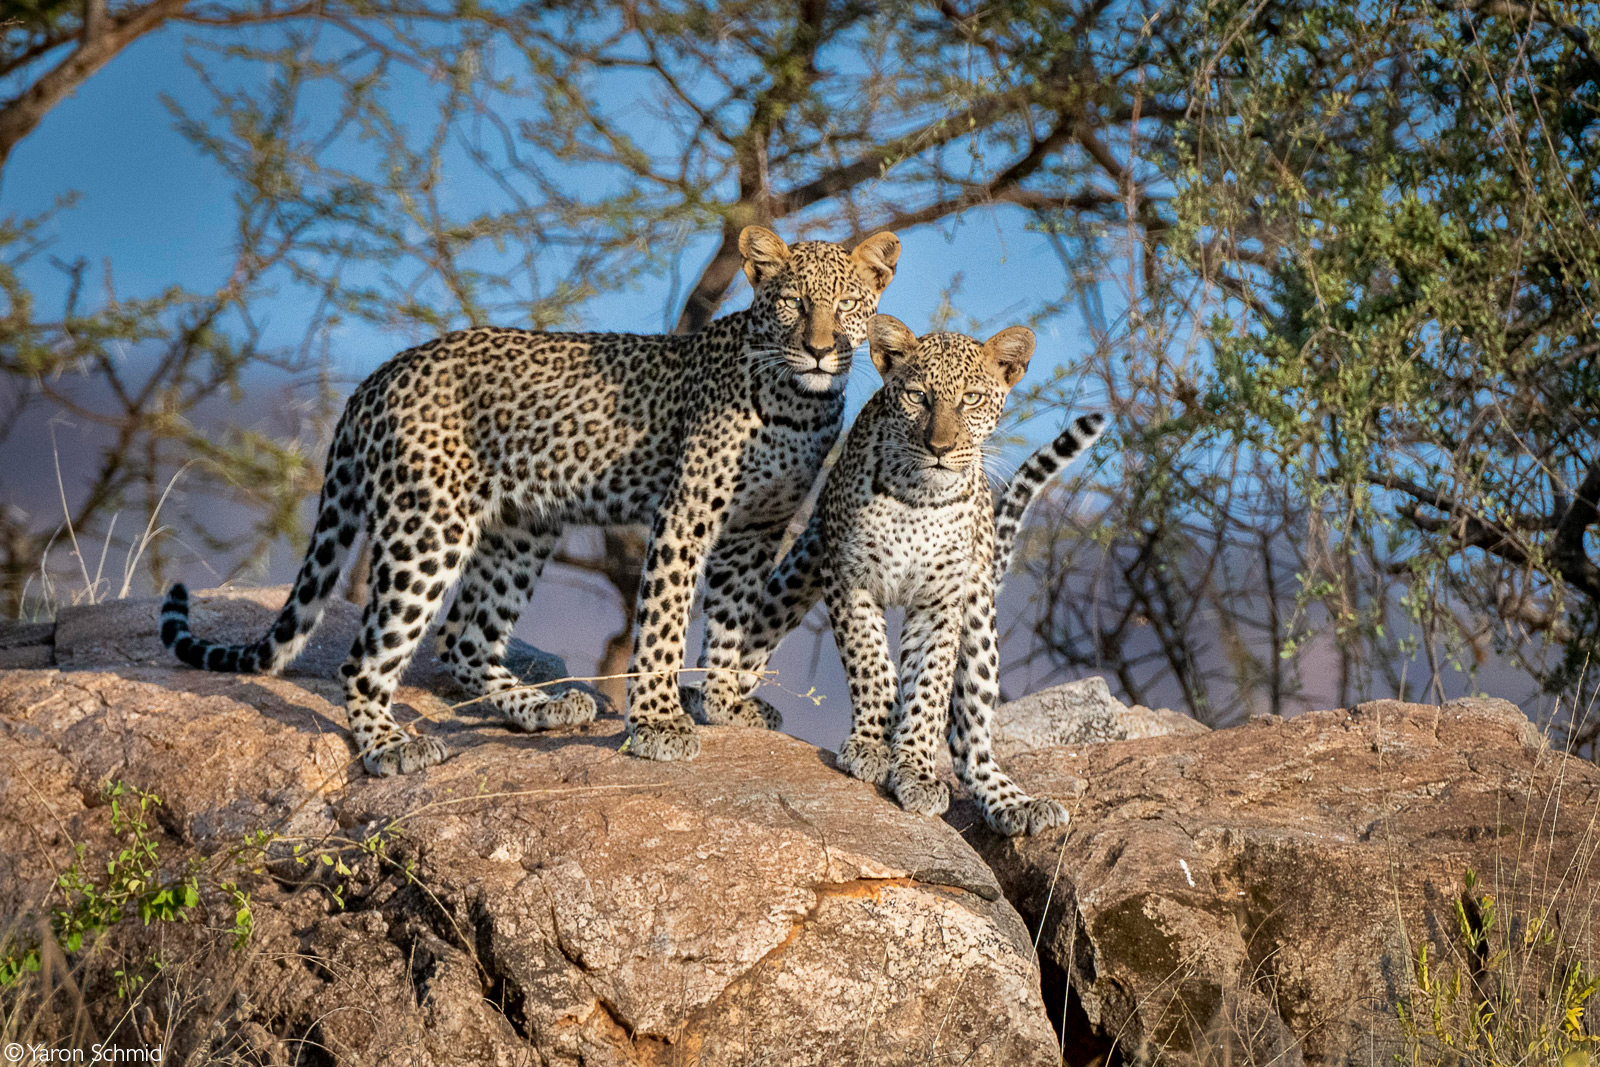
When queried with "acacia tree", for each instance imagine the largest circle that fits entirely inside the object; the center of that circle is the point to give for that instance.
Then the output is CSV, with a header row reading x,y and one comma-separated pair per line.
x,y
601,145
1287,212
1386,243
135,370
1420,356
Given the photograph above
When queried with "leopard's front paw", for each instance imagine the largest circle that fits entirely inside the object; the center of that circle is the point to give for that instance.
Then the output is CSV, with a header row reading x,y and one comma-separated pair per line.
x,y
716,710
924,795
405,757
570,708
866,760
1026,816
666,740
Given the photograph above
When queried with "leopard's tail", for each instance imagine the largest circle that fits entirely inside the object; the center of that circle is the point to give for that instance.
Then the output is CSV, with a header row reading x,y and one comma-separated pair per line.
x,y
339,514
1012,505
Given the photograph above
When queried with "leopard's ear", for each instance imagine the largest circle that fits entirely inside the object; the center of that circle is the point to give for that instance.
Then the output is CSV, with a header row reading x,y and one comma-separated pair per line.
x,y
764,253
890,341
876,256
1009,352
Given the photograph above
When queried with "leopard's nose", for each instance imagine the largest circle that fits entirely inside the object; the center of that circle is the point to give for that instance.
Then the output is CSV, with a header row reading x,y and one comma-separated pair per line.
x,y
817,353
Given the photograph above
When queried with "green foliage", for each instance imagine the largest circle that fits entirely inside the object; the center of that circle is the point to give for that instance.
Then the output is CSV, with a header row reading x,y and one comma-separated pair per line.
x,y
1509,992
133,884
1395,204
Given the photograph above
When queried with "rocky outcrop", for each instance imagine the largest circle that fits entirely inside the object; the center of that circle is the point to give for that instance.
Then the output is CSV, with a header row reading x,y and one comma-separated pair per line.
x,y
535,899
1256,895
1261,894
1080,713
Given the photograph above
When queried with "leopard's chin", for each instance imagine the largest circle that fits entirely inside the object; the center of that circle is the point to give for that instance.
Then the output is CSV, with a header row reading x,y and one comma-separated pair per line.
x,y
937,476
818,381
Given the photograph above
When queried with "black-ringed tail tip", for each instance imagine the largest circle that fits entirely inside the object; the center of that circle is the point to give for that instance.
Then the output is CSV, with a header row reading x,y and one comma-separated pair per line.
x,y
1031,475
195,651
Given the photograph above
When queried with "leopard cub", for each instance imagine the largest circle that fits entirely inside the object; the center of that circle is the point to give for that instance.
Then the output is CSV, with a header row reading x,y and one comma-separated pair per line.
x,y
906,518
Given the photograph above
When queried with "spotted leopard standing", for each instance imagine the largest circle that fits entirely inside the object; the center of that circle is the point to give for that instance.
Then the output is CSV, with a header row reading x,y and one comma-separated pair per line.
x,y
464,457
906,518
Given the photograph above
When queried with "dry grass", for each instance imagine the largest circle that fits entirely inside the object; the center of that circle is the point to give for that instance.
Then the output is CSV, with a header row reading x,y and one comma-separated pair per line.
x,y
44,595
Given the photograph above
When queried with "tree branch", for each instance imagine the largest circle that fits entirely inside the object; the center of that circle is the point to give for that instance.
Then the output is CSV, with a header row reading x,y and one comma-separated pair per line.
x,y
100,43
1566,560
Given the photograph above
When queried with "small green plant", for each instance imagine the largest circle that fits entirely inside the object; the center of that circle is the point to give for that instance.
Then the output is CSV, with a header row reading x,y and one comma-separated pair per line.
x,y
134,883
1509,993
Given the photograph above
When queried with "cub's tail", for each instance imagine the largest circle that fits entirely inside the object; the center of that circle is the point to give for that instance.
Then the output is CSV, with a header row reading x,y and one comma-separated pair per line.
x,y
1012,505
339,514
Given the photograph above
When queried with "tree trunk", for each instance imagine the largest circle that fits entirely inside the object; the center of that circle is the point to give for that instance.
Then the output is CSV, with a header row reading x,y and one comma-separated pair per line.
x,y
706,296
622,564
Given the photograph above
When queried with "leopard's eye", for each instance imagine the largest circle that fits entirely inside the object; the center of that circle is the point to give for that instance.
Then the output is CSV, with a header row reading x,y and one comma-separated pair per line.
x,y
789,300
972,400
916,396
848,305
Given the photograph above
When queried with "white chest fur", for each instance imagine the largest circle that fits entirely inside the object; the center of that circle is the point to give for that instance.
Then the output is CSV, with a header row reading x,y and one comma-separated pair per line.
x,y
905,554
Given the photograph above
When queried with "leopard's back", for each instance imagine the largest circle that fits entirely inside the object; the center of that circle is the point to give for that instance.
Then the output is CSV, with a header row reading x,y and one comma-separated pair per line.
x,y
520,416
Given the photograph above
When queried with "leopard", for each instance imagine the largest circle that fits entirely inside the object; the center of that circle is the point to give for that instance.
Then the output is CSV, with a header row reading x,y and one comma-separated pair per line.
x,y
463,459
906,517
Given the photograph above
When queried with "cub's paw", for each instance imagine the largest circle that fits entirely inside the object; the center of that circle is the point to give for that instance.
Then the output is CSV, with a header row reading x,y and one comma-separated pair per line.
x,y
866,760
406,757
925,796
751,711
1026,816
719,711
563,709
667,740
578,706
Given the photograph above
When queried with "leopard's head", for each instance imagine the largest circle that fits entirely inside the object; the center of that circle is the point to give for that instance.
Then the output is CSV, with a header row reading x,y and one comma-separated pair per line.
x,y
813,302
942,395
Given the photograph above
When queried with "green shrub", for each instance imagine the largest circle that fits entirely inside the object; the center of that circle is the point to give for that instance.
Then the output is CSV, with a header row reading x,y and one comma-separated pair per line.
x,y
1510,992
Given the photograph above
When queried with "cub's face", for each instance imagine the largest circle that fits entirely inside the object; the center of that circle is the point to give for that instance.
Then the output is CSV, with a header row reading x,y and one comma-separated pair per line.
x,y
944,393
813,302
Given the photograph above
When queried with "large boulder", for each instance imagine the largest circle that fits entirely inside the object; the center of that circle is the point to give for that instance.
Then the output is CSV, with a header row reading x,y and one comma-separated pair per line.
x,y
1080,713
1265,893
536,899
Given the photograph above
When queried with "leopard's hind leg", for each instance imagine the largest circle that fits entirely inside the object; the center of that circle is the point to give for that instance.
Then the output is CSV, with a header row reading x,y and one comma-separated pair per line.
x,y
495,586
417,554
1007,808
